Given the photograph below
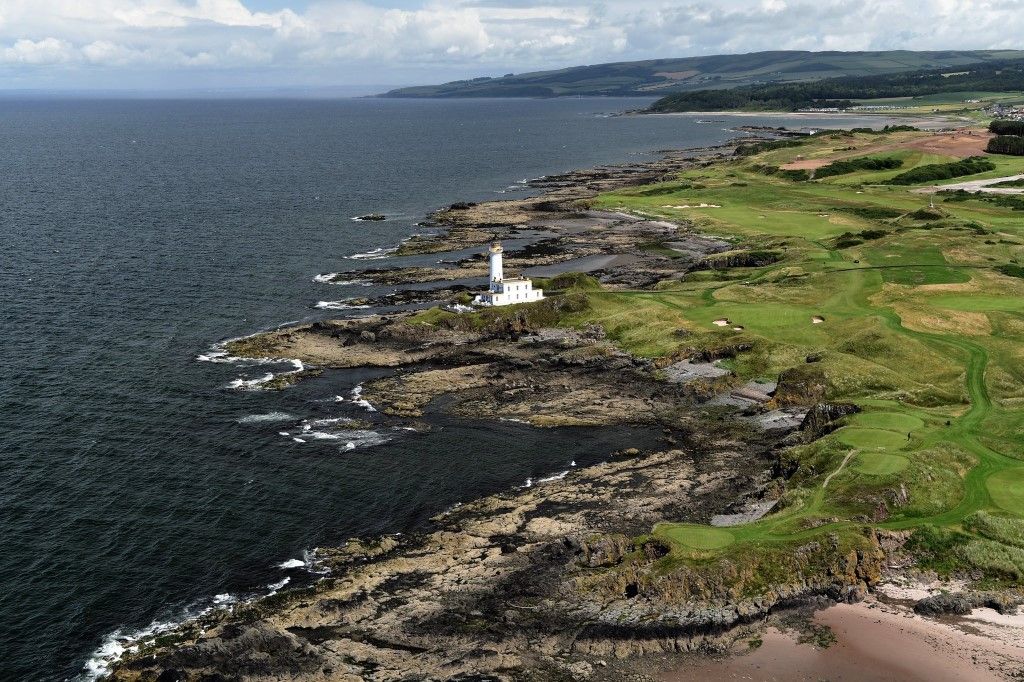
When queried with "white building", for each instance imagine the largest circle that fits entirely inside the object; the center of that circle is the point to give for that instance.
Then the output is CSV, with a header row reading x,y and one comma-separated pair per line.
x,y
501,291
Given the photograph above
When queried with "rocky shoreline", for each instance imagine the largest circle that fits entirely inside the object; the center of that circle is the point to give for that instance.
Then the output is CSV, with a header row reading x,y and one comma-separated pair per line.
x,y
563,579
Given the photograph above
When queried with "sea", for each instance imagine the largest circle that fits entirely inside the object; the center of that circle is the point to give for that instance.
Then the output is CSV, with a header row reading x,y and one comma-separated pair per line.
x,y
144,477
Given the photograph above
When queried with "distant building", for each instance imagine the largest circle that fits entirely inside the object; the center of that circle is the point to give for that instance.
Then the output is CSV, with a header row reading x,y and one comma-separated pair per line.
x,y
501,291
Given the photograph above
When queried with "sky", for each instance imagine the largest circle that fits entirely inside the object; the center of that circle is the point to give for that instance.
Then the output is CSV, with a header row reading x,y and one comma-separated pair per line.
x,y
369,44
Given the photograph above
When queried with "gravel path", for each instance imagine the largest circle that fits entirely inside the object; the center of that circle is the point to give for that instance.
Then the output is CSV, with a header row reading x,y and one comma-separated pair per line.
x,y
978,186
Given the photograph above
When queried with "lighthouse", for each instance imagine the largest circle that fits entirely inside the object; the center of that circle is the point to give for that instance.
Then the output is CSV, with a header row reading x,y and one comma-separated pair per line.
x,y
501,291
497,272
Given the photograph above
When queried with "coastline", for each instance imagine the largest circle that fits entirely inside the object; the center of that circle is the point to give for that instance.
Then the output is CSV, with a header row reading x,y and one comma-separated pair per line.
x,y
919,120
485,569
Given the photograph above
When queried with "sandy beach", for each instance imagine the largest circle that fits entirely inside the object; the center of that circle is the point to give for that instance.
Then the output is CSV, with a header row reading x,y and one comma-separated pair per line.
x,y
877,642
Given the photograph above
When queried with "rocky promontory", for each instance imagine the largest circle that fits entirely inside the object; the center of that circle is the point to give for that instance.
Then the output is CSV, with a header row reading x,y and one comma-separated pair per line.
x,y
568,577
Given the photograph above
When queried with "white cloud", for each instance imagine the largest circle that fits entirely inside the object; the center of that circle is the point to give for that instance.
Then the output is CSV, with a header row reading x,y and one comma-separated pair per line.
x,y
45,51
344,40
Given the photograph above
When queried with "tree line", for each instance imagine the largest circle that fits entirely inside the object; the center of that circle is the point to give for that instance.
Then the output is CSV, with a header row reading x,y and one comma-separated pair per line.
x,y
1009,137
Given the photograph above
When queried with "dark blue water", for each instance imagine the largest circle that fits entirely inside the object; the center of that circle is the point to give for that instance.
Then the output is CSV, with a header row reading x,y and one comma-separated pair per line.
x,y
135,234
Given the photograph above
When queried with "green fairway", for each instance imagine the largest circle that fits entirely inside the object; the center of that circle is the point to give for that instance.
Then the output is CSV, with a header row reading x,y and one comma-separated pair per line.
x,y
696,537
872,438
1006,488
879,463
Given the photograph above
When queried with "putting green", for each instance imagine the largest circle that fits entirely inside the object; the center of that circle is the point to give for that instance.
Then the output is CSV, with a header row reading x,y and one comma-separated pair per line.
x,y
1007,489
891,421
697,537
871,438
879,463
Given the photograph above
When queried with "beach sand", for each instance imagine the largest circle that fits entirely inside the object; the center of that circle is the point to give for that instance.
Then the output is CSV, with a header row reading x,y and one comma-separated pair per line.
x,y
877,642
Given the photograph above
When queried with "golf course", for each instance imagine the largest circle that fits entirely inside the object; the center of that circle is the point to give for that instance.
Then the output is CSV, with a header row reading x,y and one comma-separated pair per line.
x,y
894,291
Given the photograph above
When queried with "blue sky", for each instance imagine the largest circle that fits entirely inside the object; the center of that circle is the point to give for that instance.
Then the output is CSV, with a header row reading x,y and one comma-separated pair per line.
x,y
365,44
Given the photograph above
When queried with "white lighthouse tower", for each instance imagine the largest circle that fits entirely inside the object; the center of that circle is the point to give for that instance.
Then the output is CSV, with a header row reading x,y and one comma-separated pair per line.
x,y
501,291
494,257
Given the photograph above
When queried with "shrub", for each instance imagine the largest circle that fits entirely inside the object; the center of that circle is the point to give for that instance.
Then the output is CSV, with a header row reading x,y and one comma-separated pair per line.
x,y
752,148
886,129
795,175
844,166
1012,201
1011,270
1009,183
943,171
872,212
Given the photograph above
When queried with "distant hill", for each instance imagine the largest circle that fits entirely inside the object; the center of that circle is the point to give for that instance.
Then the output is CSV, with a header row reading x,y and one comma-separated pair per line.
x,y
996,76
660,77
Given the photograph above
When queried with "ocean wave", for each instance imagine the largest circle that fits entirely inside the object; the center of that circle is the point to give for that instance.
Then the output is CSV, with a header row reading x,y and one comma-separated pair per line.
x,y
276,587
338,305
268,417
242,384
122,641
556,477
357,399
329,278
251,384
128,640
374,254
337,429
